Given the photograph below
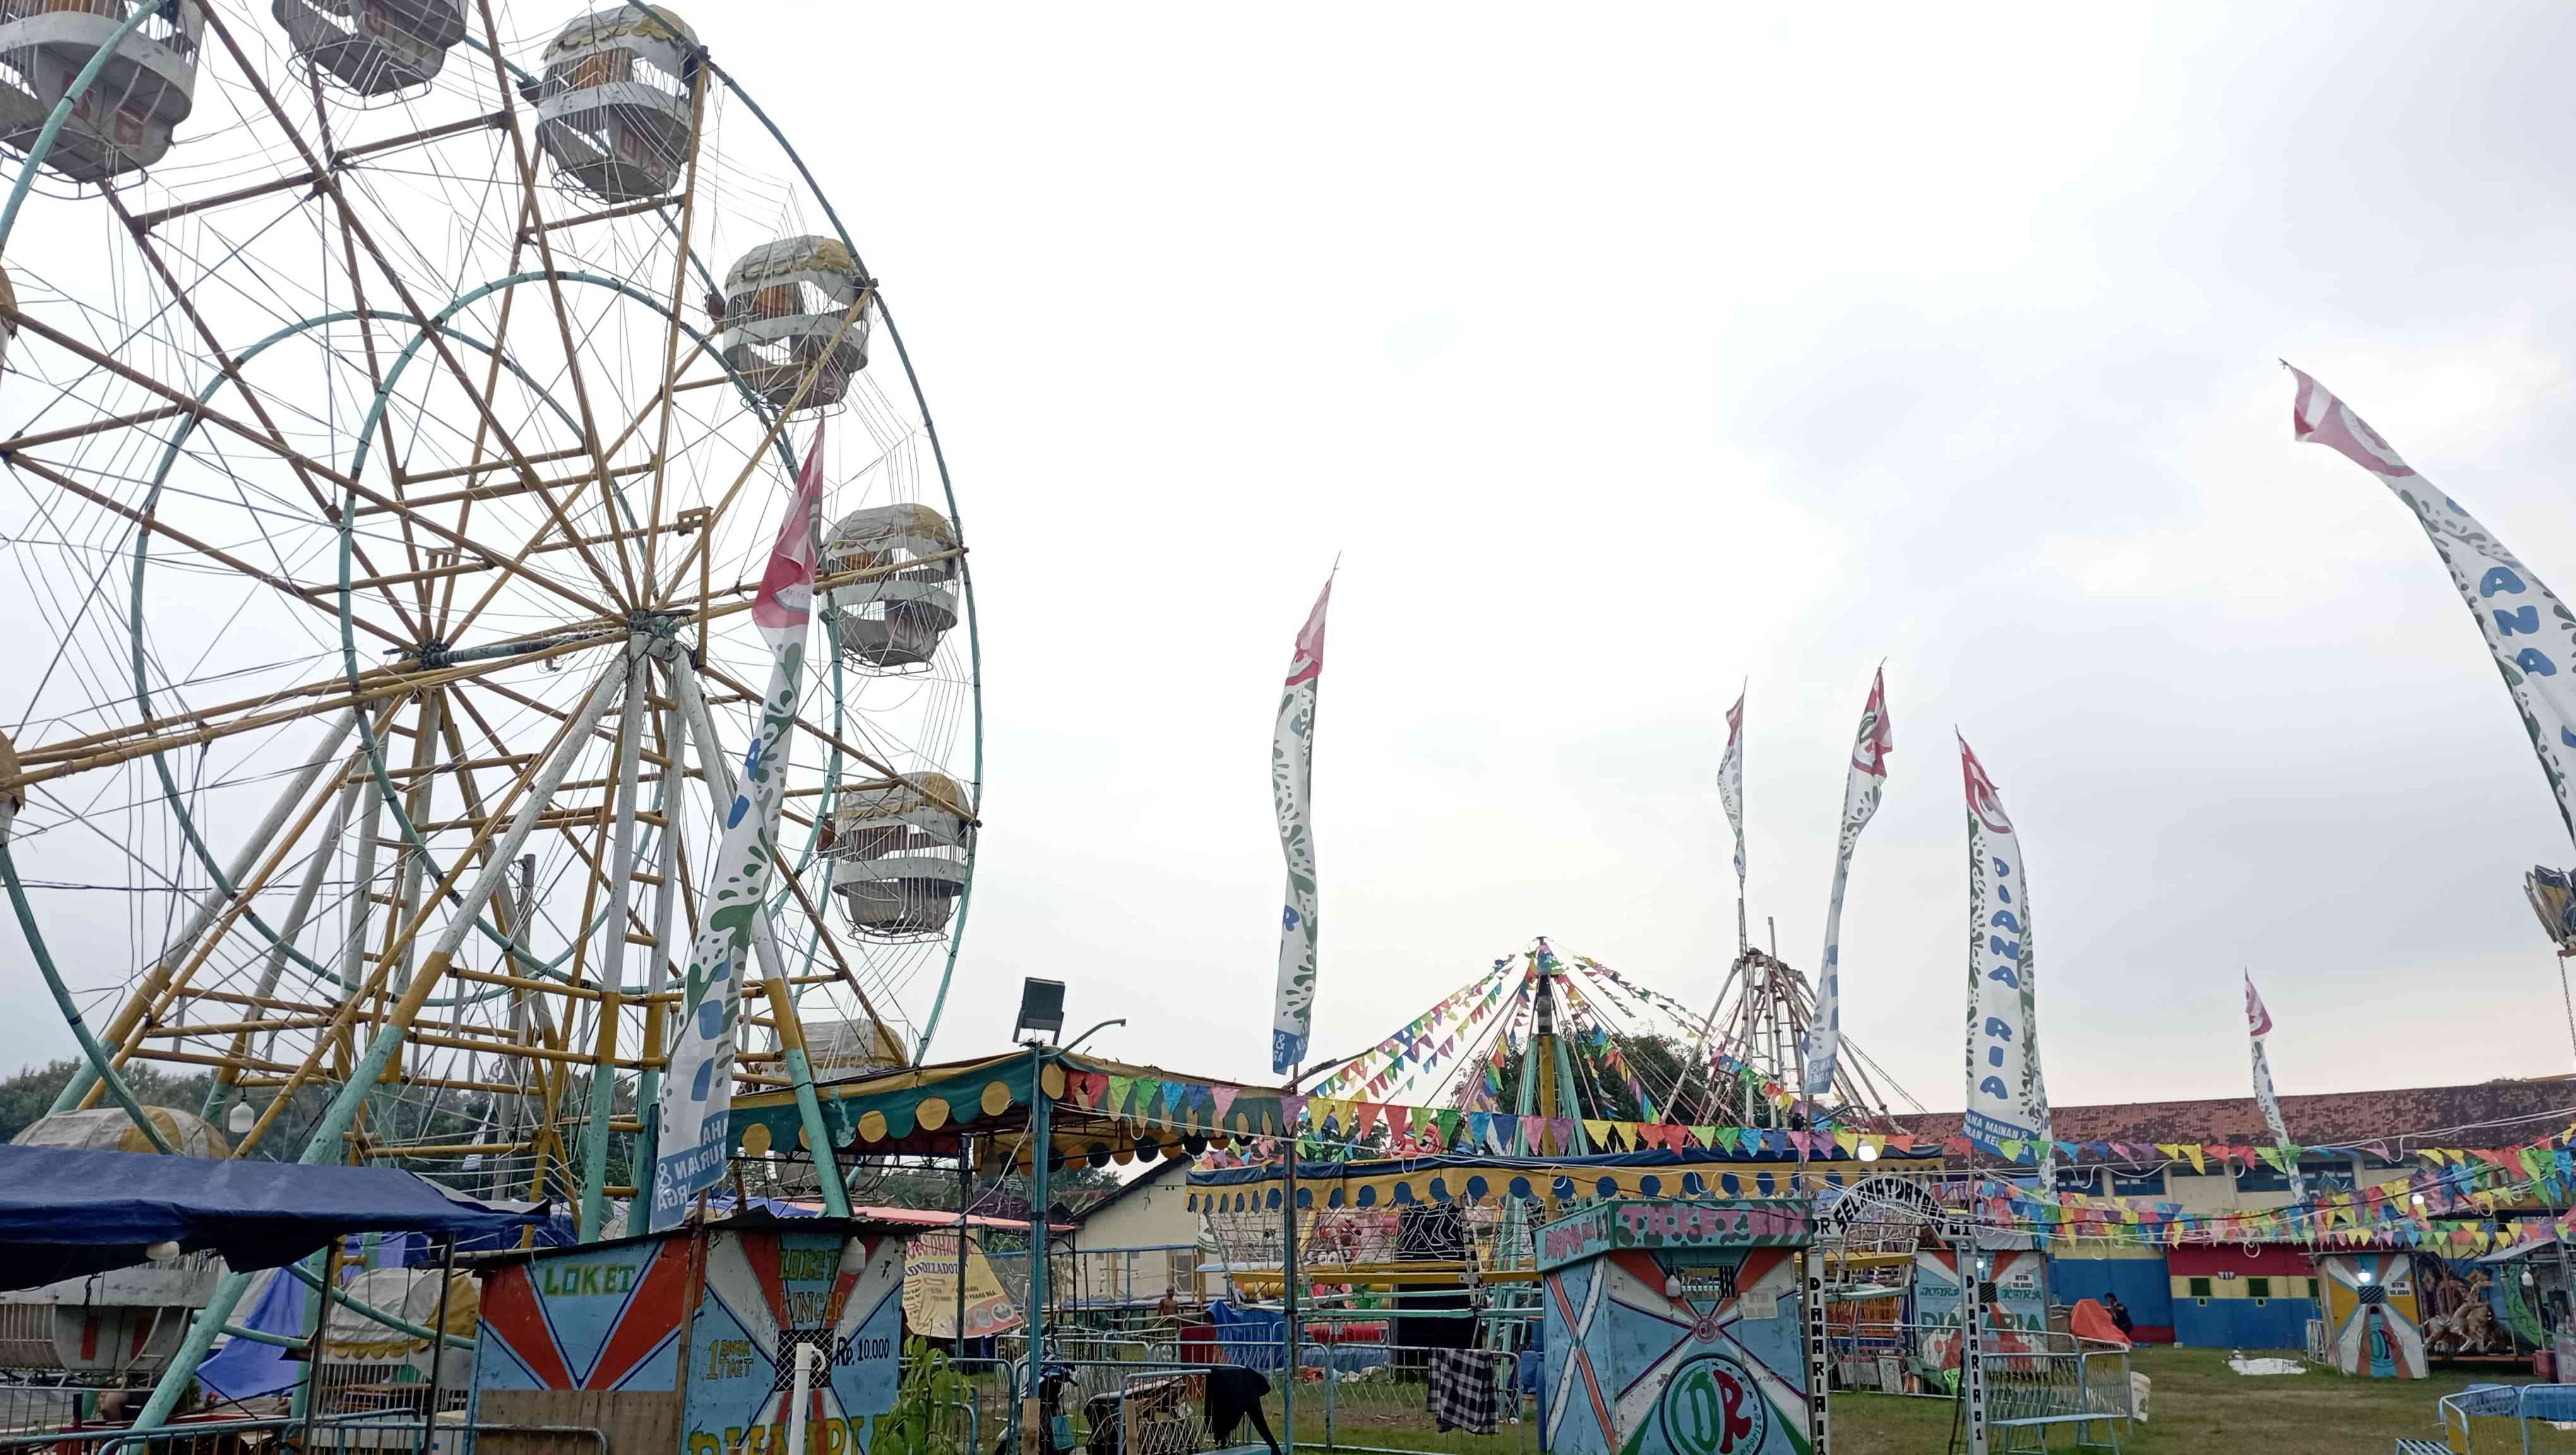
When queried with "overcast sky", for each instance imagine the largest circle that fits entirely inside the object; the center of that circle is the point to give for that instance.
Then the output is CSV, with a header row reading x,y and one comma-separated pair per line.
x,y
1626,354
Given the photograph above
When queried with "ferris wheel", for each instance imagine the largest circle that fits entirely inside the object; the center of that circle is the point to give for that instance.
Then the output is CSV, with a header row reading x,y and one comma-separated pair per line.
x,y
401,400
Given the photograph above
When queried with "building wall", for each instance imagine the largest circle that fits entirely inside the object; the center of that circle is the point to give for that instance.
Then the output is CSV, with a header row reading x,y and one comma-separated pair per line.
x,y
2230,1297
1147,1241
2136,1273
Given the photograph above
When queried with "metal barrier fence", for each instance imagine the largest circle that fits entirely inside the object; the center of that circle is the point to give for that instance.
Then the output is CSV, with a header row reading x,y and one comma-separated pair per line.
x,y
2034,1379
1400,1398
2499,1418
27,1409
372,1433
1898,1358
948,1425
1355,1397
2044,1379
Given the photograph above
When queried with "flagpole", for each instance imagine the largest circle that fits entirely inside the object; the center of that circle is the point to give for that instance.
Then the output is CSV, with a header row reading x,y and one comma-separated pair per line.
x,y
1288,1281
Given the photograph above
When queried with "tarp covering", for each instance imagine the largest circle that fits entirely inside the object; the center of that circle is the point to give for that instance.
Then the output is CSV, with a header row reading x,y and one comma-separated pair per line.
x,y
246,1368
2090,1320
65,1212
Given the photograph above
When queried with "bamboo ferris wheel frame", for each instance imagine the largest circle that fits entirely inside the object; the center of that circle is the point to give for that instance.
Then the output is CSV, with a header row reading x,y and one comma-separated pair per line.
x,y
391,378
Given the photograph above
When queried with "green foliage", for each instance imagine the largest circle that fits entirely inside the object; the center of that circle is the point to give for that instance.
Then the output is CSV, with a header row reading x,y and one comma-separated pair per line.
x,y
434,1117
30,1094
926,1418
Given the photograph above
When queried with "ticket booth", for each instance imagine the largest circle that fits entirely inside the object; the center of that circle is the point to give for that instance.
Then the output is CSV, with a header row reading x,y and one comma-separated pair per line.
x,y
1681,1328
688,1342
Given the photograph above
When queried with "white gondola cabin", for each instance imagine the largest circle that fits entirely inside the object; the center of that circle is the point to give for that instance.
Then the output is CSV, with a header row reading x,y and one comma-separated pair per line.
x,y
613,106
895,615
372,47
124,121
784,303
899,850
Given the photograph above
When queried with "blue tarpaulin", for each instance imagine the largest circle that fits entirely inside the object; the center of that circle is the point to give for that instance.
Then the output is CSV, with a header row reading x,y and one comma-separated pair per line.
x,y
65,1212
246,1368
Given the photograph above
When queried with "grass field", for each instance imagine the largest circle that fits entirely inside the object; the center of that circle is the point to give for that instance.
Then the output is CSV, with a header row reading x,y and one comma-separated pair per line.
x,y
2199,1405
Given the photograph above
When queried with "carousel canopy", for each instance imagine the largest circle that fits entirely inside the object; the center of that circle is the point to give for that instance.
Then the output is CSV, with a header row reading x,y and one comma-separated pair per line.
x,y
1099,1110
66,1212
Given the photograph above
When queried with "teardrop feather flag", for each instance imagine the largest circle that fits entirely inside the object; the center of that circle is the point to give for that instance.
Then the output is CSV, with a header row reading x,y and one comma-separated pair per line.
x,y
2007,1097
1292,773
2258,1024
2530,633
1730,791
697,1091
1862,787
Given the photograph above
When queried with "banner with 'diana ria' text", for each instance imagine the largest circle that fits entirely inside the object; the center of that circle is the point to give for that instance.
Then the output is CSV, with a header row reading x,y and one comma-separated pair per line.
x,y
2007,1098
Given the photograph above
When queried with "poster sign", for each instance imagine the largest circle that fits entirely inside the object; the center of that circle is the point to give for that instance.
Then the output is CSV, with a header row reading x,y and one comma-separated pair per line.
x,y
930,1289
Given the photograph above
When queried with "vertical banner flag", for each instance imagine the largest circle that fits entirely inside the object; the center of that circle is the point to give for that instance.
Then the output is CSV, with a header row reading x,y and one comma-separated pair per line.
x,y
2258,1024
697,1089
2531,634
1730,791
2007,1099
1861,789
1292,772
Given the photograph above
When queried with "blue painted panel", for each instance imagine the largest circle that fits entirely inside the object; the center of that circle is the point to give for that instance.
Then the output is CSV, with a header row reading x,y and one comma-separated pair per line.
x,y
2141,1283
2243,1323
1634,1370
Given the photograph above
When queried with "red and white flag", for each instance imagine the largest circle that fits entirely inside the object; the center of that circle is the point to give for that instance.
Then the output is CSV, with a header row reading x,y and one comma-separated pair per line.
x,y
1292,789
784,606
1863,785
2258,1024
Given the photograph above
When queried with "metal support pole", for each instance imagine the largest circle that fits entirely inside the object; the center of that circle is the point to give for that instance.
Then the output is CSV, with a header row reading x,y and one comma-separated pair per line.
x,y
809,1106
612,945
666,898
1972,1343
307,890
325,1143
965,1196
1034,1438
318,1306
211,903
1288,1282
438,1346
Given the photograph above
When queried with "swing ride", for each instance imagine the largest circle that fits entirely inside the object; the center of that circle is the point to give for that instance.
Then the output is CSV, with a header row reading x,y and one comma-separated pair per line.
x,y
1570,1041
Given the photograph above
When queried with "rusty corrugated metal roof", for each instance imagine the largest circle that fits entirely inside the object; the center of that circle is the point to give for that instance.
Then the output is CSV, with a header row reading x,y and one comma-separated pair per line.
x,y
2488,1114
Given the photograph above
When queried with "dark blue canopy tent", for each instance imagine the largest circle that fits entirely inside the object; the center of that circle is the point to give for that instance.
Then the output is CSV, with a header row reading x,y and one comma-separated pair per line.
x,y
65,1212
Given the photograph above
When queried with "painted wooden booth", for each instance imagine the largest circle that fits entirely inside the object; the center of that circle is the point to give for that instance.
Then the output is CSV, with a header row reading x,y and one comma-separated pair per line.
x,y
1680,1328
2373,1325
686,1342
